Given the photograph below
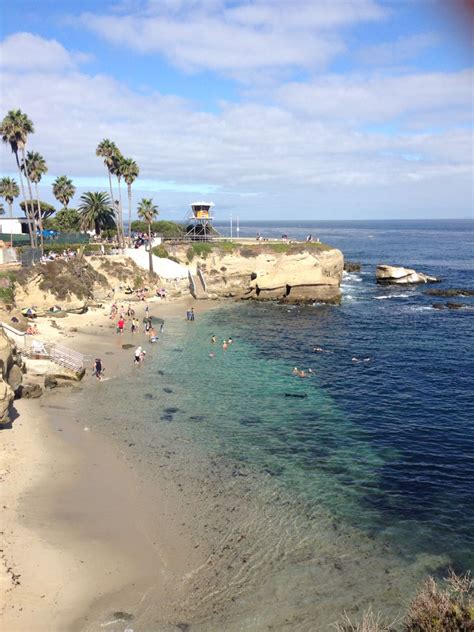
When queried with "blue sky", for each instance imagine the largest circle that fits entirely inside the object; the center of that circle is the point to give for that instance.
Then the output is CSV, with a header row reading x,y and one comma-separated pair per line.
x,y
301,109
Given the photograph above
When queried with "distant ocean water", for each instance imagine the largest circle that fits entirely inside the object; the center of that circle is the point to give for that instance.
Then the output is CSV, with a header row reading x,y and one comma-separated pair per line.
x,y
366,483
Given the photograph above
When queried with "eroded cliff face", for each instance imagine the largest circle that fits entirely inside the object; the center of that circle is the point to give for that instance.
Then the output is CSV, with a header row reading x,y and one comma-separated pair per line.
x,y
296,273
10,376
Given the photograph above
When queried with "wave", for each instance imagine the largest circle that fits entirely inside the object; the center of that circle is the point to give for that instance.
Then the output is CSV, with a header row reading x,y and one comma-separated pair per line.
x,y
380,298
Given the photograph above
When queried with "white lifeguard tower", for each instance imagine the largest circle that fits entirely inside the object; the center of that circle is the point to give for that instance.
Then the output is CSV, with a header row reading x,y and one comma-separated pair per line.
x,y
199,222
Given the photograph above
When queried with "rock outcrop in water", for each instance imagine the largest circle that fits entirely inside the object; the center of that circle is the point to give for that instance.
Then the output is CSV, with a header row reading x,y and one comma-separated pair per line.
x,y
399,275
450,292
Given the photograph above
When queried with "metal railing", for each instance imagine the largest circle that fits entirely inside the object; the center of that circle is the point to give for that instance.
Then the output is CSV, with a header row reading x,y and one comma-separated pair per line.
x,y
60,355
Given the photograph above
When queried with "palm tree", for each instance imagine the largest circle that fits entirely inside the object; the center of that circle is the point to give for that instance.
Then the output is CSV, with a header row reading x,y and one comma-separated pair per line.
x,y
130,171
148,212
63,190
14,129
96,211
116,169
9,191
35,166
109,151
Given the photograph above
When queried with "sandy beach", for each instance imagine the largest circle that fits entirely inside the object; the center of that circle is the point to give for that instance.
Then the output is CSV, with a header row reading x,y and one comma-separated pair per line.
x,y
77,524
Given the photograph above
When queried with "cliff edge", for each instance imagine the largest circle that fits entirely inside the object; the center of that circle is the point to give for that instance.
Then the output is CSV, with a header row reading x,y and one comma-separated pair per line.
x,y
287,272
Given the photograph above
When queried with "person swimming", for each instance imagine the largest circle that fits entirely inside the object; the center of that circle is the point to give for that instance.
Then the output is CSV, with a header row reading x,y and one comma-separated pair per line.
x,y
213,339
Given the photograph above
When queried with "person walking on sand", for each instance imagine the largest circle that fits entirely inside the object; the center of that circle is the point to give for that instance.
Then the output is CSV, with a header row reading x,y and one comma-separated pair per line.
x,y
137,355
98,369
191,314
120,326
147,326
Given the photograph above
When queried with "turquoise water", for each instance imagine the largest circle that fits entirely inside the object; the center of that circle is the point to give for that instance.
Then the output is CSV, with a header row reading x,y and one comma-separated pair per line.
x,y
348,486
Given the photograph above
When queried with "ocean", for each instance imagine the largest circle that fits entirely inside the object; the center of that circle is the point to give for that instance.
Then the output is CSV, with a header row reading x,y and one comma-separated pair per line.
x,y
328,494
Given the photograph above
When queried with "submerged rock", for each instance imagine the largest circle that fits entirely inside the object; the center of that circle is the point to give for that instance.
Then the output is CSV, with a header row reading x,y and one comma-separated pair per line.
x,y
449,305
450,292
399,275
351,266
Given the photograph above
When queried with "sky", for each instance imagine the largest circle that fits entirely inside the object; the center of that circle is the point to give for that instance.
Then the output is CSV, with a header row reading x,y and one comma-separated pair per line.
x,y
272,109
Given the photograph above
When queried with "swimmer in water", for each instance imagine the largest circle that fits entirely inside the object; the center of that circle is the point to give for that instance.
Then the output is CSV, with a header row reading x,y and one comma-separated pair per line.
x,y
212,355
224,344
230,341
213,339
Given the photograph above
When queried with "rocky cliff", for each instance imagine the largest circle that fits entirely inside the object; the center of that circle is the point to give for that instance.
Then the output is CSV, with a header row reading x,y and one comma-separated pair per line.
x,y
10,376
293,273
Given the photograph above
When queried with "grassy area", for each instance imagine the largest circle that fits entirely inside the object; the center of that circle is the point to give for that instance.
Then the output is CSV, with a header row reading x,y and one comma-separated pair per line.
x,y
7,289
245,249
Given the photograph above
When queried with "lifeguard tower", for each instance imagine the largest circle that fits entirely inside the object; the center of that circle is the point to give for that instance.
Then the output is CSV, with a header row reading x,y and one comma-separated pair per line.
x,y
199,222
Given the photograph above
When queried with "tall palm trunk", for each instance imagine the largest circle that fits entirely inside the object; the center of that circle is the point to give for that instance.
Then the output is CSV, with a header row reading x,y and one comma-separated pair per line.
x,y
150,254
10,214
40,218
113,202
129,187
27,209
33,216
121,227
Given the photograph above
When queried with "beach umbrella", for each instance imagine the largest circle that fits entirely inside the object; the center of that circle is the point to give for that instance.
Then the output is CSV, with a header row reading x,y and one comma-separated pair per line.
x,y
28,311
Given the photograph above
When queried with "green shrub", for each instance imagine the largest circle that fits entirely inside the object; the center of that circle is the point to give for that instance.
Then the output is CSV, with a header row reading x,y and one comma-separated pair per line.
x,y
190,254
202,249
168,229
7,295
160,251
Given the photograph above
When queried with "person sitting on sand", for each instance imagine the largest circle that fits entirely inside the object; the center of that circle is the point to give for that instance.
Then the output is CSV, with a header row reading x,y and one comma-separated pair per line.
x,y
32,330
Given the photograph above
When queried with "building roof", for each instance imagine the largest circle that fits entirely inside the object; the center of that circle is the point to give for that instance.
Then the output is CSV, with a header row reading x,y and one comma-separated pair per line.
x,y
202,203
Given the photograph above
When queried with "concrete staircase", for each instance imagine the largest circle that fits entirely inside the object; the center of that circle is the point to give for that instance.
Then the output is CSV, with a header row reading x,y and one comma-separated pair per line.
x,y
198,284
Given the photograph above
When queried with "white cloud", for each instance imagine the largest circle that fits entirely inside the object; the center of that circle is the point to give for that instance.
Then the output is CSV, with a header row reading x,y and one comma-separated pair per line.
x,y
361,99
245,150
25,51
397,51
236,39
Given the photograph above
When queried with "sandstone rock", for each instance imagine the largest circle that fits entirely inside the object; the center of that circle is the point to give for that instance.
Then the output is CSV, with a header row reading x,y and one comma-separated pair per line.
x,y
31,391
399,275
6,398
50,381
15,377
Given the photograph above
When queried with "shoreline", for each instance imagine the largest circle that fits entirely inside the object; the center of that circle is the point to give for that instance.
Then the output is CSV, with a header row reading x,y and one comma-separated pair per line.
x,y
76,525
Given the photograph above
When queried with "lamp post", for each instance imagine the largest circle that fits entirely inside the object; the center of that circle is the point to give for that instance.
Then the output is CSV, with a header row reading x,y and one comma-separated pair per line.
x,y
231,225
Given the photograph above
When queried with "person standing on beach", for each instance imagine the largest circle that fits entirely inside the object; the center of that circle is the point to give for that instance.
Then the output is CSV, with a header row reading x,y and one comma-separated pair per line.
x,y
120,326
147,326
98,369
191,314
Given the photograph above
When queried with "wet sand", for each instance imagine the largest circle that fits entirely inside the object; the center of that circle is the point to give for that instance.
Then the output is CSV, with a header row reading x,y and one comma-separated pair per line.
x,y
78,526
